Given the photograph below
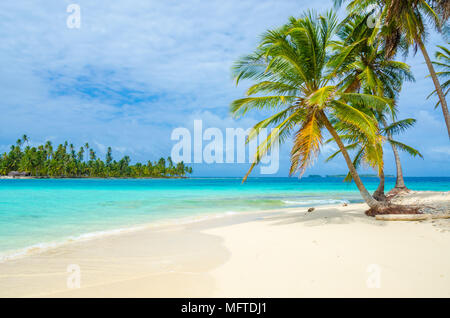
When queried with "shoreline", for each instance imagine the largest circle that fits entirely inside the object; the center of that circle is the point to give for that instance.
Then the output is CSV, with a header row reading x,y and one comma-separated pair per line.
x,y
42,247
274,253
77,178
163,224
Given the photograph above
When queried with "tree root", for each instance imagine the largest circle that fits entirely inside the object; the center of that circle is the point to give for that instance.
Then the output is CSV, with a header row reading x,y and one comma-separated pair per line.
x,y
393,209
379,196
397,191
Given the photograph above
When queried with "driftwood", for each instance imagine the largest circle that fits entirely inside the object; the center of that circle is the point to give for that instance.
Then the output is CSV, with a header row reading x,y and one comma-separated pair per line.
x,y
390,209
411,217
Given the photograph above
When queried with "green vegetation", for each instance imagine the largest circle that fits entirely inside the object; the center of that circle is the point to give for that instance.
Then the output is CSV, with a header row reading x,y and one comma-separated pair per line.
x,y
295,69
64,161
316,76
443,64
369,69
404,24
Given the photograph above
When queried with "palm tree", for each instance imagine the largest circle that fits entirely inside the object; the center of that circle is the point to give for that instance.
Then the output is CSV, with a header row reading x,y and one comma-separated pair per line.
x,y
49,148
80,154
395,128
365,152
366,69
92,155
404,20
72,151
109,157
443,63
25,139
292,65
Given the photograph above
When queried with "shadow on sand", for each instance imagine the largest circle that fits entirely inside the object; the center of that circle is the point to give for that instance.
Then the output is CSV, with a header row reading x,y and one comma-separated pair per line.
x,y
323,216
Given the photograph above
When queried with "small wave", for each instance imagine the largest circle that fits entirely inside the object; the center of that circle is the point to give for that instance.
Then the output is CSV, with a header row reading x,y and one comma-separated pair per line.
x,y
42,247
320,202
36,248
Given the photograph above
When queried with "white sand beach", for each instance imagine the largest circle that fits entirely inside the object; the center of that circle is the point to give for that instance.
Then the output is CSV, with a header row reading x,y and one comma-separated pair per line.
x,y
334,251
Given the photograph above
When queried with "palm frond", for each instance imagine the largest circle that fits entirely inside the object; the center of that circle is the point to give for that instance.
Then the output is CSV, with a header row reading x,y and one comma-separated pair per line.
x,y
241,106
306,145
356,118
371,101
348,147
399,126
410,150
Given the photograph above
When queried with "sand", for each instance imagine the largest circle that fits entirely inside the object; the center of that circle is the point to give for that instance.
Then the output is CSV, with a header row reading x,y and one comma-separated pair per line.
x,y
334,251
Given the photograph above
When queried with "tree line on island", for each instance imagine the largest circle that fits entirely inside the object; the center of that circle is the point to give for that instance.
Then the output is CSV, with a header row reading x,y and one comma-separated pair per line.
x,y
64,161
317,75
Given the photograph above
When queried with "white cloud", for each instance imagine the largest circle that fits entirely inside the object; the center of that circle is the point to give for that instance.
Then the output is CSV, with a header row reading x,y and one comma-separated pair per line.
x,y
441,150
137,69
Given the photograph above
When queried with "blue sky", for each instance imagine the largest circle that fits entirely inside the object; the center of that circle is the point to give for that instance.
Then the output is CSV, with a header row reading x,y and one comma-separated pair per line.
x,y
135,70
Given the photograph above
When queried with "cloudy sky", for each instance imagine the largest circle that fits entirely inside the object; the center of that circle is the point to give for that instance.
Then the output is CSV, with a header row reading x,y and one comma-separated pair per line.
x,y
135,70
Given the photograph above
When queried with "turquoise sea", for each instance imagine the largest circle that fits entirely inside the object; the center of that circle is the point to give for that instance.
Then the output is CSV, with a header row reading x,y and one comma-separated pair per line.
x,y
43,212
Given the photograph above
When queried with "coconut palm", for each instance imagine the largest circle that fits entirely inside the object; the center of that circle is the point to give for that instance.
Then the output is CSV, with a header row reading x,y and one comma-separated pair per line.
x,y
395,128
296,81
366,69
442,8
405,20
365,152
48,149
25,139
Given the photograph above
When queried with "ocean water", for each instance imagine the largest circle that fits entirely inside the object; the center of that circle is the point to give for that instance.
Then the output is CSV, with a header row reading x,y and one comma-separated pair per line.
x,y
39,213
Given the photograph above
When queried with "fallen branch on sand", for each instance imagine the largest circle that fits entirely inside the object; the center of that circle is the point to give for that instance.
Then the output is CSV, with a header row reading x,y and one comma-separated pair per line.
x,y
394,209
411,217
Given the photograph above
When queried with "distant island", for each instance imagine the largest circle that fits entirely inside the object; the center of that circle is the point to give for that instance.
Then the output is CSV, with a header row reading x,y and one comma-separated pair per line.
x,y
64,162
361,175
316,176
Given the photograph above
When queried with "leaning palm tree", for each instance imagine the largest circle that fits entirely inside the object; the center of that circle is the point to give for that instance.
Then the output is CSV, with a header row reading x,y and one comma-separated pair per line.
x,y
366,69
405,20
295,80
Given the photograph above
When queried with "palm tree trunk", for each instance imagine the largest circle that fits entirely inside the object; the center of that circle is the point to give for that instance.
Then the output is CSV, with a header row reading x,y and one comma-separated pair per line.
x,y
399,182
379,193
371,202
436,84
